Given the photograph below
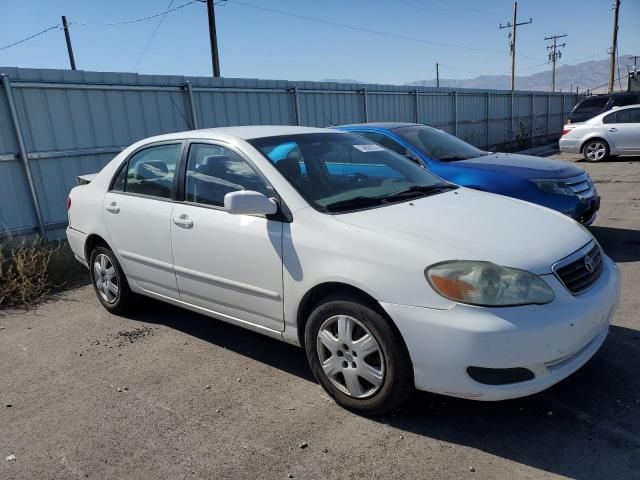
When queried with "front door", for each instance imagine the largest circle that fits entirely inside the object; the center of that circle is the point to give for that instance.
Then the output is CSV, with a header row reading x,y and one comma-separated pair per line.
x,y
137,213
228,264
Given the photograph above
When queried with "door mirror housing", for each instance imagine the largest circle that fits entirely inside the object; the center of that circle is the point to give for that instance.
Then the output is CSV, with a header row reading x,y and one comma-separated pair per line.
x,y
248,202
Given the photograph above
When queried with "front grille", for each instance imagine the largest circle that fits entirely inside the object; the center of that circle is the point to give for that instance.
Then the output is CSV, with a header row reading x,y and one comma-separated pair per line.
x,y
577,276
581,185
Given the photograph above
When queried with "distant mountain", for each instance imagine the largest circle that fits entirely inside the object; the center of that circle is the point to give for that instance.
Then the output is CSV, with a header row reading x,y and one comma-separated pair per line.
x,y
341,80
584,75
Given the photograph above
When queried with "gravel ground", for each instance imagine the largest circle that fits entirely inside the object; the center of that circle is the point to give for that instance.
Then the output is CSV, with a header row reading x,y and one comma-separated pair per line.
x,y
171,394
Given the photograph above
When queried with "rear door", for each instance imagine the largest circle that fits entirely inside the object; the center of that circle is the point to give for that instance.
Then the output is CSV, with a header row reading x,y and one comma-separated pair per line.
x,y
623,129
137,213
230,265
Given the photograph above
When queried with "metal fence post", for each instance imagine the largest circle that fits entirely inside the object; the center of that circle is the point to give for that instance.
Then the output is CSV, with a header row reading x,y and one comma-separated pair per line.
x,y
192,106
417,94
365,105
563,112
548,114
488,117
6,83
455,113
296,104
533,104
511,119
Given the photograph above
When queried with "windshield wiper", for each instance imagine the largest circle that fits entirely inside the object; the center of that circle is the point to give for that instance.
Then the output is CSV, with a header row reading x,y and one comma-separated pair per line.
x,y
420,191
355,202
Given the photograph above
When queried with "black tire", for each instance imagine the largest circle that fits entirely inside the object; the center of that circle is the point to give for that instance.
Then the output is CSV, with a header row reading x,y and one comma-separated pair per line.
x,y
595,150
123,301
397,381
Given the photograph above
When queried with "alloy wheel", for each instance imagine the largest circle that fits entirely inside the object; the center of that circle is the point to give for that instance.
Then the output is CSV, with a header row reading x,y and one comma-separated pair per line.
x,y
350,356
105,278
595,151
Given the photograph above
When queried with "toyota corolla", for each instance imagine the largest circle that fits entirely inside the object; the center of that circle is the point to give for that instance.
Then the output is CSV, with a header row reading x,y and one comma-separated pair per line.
x,y
389,277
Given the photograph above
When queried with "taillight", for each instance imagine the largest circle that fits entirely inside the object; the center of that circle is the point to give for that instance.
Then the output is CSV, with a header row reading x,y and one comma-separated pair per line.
x,y
565,131
68,203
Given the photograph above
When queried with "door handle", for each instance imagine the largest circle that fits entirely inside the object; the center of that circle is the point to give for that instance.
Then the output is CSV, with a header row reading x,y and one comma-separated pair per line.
x,y
113,208
613,129
183,221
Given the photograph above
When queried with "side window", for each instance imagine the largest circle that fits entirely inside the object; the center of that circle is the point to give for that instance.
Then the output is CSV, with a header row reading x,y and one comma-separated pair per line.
x,y
632,115
214,171
384,141
610,118
150,171
623,100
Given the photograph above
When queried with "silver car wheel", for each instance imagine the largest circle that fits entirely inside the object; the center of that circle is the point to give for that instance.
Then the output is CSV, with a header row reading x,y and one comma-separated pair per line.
x,y
350,356
595,151
105,278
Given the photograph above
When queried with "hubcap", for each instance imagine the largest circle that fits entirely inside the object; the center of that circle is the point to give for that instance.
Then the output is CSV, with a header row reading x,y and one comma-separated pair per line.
x,y
595,151
105,278
350,356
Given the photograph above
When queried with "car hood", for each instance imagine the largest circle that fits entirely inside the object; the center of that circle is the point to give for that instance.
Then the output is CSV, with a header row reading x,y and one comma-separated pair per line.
x,y
522,166
466,224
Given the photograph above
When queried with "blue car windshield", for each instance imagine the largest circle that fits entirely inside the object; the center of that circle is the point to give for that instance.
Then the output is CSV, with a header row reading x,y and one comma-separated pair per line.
x,y
341,172
437,144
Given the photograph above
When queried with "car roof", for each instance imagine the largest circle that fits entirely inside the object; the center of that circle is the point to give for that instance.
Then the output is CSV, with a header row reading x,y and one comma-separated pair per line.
x,y
383,125
242,132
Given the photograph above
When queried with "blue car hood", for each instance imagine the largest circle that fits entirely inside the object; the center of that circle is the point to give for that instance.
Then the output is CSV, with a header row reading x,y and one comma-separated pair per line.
x,y
522,166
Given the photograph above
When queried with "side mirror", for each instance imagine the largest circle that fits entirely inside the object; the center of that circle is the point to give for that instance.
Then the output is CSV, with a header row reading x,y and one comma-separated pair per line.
x,y
413,158
248,202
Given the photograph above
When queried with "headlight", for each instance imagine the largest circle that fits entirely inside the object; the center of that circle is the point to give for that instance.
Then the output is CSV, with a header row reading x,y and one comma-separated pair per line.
x,y
487,284
558,187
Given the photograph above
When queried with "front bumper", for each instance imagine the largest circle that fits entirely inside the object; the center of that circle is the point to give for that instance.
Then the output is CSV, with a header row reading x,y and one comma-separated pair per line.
x,y
552,340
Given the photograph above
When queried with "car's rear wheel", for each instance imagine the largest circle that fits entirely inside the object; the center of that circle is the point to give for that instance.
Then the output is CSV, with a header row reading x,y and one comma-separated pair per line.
x,y
357,356
595,150
109,281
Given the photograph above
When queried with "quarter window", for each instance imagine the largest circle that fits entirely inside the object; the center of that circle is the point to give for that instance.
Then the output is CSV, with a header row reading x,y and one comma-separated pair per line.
x,y
151,171
213,171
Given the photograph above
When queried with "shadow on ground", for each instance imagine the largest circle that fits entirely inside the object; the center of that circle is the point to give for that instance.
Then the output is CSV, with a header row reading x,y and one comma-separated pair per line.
x,y
587,426
621,244
616,159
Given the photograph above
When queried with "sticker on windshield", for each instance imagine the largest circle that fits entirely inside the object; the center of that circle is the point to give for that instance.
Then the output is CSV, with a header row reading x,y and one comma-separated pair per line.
x,y
370,147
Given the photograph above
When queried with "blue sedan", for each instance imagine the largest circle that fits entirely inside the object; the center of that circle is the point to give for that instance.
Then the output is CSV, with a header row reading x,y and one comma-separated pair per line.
x,y
558,185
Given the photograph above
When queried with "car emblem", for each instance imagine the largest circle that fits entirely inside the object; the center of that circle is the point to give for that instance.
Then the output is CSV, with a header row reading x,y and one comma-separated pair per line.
x,y
588,263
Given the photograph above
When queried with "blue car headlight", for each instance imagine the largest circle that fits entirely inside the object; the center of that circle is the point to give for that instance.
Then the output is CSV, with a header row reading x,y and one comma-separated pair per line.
x,y
558,187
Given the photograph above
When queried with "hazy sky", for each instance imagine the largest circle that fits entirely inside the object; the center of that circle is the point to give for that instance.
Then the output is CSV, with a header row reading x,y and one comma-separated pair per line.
x,y
462,35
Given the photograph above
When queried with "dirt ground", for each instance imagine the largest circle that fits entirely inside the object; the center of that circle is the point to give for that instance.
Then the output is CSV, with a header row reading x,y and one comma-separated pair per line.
x,y
168,394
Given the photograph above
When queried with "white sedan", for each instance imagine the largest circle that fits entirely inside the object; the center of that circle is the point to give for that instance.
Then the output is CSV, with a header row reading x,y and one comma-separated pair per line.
x,y
615,132
390,277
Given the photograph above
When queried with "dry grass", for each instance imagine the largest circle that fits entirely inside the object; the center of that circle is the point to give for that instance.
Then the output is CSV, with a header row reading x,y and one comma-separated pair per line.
x,y
30,270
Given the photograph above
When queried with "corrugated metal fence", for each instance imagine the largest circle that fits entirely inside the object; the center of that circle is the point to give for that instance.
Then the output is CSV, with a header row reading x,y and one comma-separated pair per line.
x,y
57,124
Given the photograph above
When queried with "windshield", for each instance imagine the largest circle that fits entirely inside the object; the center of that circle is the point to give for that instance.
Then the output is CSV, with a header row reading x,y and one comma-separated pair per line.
x,y
339,172
437,144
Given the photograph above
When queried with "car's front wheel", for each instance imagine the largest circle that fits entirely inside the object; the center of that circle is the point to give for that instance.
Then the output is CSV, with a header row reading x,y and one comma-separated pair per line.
x,y
595,150
357,356
109,282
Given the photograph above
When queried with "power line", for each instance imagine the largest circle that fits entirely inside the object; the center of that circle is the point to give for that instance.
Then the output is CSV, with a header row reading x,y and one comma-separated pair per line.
x,y
135,20
360,29
30,37
153,34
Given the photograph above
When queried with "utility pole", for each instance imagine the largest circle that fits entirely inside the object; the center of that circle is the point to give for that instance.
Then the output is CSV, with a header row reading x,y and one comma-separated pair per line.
x,y
614,45
67,37
553,55
437,74
213,39
513,26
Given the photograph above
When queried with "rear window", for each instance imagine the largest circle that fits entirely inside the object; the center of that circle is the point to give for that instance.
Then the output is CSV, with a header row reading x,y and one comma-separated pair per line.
x,y
592,104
